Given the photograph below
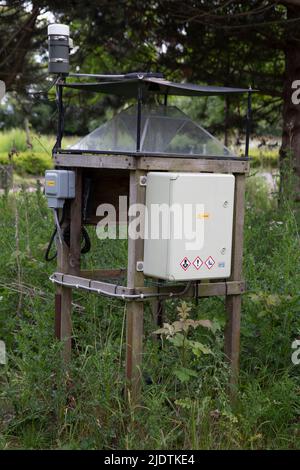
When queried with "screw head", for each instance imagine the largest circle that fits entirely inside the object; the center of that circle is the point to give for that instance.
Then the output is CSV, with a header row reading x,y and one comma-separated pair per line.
x,y
226,204
140,266
223,251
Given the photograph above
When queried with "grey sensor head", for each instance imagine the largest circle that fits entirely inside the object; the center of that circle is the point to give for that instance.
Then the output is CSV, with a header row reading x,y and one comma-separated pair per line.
x,y
59,44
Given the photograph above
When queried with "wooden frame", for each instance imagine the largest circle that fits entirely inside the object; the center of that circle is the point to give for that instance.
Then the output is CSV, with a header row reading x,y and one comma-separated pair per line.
x,y
69,272
151,163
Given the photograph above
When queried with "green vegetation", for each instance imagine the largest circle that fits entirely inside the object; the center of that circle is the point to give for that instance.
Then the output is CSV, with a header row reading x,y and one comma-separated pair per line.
x,y
31,158
264,158
16,139
184,402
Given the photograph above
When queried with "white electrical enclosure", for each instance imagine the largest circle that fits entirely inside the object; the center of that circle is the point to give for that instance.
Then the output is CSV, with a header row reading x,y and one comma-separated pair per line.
x,y
188,225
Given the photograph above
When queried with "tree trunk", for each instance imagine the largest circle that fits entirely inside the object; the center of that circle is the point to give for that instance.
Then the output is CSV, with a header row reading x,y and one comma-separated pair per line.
x,y
27,131
290,147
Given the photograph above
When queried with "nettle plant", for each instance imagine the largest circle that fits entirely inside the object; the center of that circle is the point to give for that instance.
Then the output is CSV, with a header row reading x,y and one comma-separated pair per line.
x,y
178,334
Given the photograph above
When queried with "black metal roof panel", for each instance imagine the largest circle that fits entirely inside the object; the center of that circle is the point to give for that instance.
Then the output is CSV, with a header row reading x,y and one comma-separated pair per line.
x,y
129,87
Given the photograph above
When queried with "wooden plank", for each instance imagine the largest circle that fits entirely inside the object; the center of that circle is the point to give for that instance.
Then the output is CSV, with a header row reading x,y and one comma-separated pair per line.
x,y
152,163
205,289
95,161
192,165
135,310
103,273
233,302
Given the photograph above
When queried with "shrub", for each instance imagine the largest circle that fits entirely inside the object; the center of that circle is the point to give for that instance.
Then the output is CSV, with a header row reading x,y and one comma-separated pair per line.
x,y
34,160
29,162
264,158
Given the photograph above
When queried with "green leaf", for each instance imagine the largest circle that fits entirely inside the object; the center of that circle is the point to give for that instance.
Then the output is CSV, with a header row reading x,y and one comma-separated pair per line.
x,y
177,340
185,403
199,348
184,374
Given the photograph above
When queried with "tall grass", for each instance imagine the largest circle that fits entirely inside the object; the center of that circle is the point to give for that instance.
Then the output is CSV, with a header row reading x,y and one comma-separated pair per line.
x,y
16,139
42,406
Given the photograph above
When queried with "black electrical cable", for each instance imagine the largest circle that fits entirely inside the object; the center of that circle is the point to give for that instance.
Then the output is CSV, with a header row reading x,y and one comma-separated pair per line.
x,y
85,236
47,257
66,237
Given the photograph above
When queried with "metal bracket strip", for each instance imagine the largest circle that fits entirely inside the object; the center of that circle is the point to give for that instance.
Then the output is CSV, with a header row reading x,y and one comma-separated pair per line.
x,y
142,293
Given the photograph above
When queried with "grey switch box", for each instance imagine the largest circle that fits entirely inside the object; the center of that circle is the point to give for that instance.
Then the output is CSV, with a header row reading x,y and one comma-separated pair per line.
x,y
59,186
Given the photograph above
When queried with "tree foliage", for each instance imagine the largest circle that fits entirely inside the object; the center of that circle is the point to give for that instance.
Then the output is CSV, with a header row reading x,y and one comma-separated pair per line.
x,y
225,42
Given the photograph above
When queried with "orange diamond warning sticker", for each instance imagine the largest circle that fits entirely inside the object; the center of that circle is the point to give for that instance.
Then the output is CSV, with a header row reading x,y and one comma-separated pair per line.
x,y
185,264
210,262
197,262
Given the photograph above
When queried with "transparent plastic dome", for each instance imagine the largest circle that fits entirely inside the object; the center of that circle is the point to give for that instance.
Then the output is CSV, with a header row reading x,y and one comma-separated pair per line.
x,y
164,130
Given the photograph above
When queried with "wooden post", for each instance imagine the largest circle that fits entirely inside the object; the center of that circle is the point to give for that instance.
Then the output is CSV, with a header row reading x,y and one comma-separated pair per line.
x,y
157,306
76,223
233,302
68,261
135,310
63,302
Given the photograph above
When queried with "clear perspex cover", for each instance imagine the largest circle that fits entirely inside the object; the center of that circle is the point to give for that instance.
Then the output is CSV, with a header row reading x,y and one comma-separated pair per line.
x,y
164,130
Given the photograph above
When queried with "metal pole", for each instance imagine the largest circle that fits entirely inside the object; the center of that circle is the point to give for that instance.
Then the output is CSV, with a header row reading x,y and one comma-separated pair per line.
x,y
60,121
248,121
98,75
139,119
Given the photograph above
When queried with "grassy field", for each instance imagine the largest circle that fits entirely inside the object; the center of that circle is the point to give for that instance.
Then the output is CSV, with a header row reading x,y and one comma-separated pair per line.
x,y
43,406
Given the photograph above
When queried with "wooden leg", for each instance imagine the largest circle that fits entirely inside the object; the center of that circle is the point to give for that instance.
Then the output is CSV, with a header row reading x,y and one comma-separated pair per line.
x,y
66,323
135,310
76,223
63,303
57,332
134,349
233,302
157,306
232,336
68,261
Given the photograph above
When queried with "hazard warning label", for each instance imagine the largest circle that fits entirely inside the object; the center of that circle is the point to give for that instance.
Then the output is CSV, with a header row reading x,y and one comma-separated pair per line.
x,y
210,262
185,263
197,262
